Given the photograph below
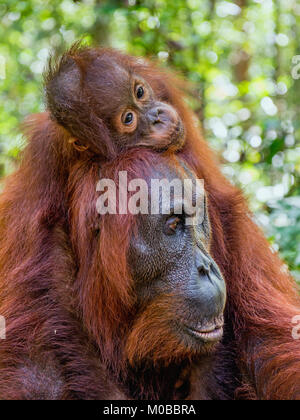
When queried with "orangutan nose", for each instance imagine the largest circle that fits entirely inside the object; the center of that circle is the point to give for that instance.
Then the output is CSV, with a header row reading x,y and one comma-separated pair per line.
x,y
155,114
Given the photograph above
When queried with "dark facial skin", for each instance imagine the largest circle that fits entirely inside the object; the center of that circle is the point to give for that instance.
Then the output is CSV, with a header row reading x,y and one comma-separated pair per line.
x,y
169,257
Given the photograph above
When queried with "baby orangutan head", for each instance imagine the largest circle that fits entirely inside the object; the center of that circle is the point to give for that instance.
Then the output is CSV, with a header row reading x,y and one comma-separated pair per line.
x,y
110,102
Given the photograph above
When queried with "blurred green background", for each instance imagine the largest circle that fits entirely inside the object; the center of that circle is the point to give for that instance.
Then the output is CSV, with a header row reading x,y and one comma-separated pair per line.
x,y
243,55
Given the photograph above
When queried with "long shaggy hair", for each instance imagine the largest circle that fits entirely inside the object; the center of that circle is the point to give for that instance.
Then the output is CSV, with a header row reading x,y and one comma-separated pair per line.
x,y
65,286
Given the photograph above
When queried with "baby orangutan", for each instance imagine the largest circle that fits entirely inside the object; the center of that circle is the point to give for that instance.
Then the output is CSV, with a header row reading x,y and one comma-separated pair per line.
x,y
105,101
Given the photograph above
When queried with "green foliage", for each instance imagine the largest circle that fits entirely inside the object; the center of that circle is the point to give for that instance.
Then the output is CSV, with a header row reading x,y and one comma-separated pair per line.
x,y
239,55
284,228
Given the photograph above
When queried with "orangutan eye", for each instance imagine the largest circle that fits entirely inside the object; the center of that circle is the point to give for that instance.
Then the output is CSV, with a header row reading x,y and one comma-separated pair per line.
x,y
172,225
128,118
140,92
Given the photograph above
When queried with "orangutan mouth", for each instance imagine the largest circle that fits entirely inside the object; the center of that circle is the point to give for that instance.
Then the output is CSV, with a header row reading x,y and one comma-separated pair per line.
x,y
178,135
211,333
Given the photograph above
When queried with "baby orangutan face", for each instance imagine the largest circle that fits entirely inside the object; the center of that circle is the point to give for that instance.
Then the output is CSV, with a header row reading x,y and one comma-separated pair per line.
x,y
110,102
141,119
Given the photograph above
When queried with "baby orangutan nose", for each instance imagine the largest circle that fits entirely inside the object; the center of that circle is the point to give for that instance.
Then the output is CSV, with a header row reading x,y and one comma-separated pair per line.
x,y
162,113
155,115
165,125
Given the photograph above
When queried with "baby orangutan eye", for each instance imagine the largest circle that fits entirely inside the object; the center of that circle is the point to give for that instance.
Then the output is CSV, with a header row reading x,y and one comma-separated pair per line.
x,y
128,118
140,92
127,122
172,225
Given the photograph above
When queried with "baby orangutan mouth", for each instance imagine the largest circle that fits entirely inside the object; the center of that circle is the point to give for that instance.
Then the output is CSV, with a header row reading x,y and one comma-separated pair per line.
x,y
178,135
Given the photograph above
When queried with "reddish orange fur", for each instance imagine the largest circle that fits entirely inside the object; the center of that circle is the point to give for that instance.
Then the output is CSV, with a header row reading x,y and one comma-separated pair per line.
x,y
152,333
64,296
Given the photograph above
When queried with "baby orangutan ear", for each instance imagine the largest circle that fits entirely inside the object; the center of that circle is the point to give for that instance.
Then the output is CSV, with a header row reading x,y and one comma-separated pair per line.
x,y
77,146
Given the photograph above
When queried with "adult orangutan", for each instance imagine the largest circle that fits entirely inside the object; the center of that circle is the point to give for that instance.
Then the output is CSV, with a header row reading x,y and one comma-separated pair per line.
x,y
65,289
137,299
